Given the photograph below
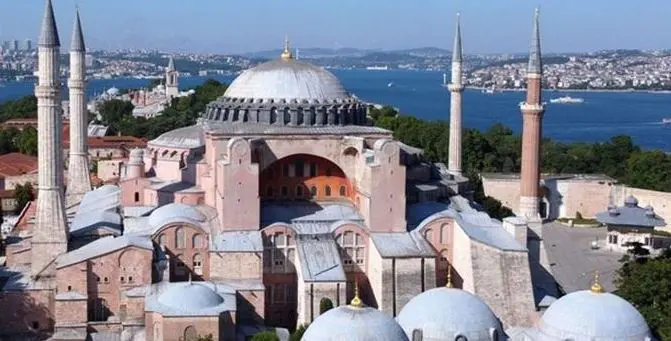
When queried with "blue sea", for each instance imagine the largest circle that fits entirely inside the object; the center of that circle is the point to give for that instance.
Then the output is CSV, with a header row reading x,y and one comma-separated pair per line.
x,y
419,93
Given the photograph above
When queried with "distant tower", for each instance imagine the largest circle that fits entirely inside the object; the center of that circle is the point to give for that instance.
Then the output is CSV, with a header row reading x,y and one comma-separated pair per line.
x,y
50,230
532,117
171,80
456,92
79,181
135,166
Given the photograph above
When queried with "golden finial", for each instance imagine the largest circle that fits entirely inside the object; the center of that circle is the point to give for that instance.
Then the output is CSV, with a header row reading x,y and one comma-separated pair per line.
x,y
596,286
356,301
286,54
449,277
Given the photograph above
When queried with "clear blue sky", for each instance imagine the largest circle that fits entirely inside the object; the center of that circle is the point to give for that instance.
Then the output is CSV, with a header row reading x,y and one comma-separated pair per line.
x,y
234,26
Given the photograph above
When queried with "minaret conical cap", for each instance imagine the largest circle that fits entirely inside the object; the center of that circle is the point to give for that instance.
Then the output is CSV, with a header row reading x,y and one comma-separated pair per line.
x,y
457,49
171,65
77,42
535,61
49,31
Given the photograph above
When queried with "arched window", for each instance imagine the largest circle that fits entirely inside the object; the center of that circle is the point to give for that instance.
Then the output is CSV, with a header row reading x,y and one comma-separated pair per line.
x,y
198,264
190,334
428,235
197,241
161,239
313,191
343,191
417,335
137,196
279,253
460,338
352,248
179,238
443,234
180,267
313,169
327,191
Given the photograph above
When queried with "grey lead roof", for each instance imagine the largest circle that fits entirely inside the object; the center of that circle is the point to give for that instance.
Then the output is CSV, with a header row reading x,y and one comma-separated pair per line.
x,y
77,42
319,259
457,50
400,245
238,241
49,31
101,247
189,299
630,215
535,61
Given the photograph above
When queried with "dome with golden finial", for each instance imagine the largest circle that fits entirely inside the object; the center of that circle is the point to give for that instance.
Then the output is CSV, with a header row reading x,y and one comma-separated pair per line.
x,y
448,313
593,314
354,322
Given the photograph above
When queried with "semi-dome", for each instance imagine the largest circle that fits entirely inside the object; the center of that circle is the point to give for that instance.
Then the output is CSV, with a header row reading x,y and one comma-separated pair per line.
x,y
593,315
184,138
175,212
354,322
288,92
190,296
447,313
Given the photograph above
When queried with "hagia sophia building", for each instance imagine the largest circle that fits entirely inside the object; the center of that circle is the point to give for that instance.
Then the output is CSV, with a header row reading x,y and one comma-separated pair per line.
x,y
283,195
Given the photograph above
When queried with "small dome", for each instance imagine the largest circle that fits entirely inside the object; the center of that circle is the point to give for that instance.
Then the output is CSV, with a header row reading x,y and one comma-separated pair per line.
x,y
183,138
354,324
446,313
174,212
136,156
190,296
592,315
631,201
287,79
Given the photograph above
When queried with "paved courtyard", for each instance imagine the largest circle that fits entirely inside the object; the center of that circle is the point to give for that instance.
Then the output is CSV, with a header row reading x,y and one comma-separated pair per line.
x,y
574,262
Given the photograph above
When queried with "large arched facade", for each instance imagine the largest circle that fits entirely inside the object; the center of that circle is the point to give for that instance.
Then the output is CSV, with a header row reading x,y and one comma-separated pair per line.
x,y
304,177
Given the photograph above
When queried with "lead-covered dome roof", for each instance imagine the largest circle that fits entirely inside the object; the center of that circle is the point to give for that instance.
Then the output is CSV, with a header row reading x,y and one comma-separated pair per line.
x,y
446,313
190,296
593,315
354,322
287,92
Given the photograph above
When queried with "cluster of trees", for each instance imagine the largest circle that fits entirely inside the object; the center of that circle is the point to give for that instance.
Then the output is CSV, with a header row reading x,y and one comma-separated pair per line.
x,y
12,139
182,112
646,283
499,150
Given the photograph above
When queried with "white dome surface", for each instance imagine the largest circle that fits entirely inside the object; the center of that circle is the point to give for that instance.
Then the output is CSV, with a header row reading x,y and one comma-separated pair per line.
x,y
354,324
190,296
287,79
587,316
174,212
445,313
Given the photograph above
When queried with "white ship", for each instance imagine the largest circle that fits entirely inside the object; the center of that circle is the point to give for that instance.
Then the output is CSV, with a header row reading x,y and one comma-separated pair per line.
x,y
666,121
378,68
567,100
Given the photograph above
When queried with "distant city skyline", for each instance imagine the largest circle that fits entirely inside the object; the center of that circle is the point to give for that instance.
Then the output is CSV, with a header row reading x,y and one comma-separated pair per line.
x,y
489,26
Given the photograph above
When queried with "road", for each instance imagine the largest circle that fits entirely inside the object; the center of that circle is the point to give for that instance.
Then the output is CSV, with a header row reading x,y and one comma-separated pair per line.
x,y
572,260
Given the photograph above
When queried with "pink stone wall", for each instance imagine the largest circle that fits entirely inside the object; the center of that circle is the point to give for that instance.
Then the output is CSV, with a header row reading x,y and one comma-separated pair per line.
x,y
133,189
109,169
195,247
251,306
71,312
386,188
236,265
240,189
26,311
440,234
72,278
174,328
18,254
131,308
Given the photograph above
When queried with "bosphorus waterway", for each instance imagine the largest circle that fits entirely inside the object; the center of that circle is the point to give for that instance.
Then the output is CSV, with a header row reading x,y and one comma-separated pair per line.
x,y
419,93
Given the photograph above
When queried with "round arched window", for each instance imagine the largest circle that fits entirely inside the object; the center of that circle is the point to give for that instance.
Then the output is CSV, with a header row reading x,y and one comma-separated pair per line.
x,y
460,338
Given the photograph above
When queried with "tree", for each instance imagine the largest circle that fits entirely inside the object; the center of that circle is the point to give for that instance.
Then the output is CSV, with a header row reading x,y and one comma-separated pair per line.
x,y
647,285
26,141
23,194
266,336
325,305
297,335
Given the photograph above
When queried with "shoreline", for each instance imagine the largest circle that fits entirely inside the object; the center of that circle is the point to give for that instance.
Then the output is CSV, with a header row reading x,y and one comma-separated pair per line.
x,y
661,92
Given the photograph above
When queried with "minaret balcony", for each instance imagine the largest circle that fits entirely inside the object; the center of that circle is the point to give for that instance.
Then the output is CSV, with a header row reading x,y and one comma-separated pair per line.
x,y
456,87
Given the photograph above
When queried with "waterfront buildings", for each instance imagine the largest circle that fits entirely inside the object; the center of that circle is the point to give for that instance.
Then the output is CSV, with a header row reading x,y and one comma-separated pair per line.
x,y
281,196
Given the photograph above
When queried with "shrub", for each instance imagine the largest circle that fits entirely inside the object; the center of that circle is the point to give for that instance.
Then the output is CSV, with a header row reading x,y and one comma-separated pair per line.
x,y
266,336
325,305
298,334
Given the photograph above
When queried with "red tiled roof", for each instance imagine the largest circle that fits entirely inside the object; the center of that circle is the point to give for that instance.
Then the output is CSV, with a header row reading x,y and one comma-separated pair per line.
x,y
112,142
15,164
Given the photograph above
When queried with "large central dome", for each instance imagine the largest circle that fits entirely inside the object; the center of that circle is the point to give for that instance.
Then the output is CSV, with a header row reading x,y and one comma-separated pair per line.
x,y
287,79
287,92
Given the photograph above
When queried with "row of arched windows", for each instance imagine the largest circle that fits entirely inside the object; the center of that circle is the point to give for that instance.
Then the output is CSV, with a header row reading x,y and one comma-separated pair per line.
x,y
181,269
301,192
352,248
197,241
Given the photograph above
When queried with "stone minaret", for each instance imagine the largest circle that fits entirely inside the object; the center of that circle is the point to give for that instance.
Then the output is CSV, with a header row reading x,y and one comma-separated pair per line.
x,y
532,118
50,231
78,169
171,80
456,92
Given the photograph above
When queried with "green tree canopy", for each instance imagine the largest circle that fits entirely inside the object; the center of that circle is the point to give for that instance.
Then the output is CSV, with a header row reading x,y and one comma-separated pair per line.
x,y
266,336
297,335
646,283
325,305
23,194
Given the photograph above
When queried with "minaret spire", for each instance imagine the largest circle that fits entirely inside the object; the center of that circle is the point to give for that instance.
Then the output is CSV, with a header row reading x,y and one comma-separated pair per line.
x,y
50,230
286,54
456,92
532,124
79,181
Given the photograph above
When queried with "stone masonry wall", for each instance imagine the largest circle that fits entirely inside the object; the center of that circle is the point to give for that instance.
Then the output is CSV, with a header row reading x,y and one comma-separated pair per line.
x,y
660,201
408,278
236,265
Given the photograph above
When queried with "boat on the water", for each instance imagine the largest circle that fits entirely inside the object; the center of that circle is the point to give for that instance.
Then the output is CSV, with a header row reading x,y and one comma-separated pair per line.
x,y
391,85
567,100
666,121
